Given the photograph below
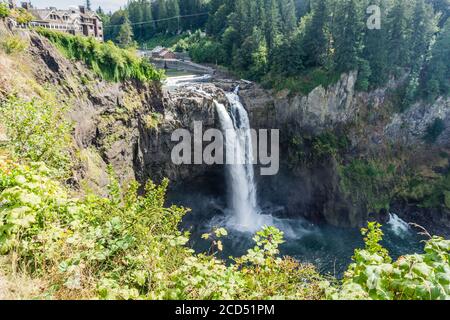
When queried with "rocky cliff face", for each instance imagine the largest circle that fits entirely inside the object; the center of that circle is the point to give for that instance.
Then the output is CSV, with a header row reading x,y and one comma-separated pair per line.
x,y
411,126
313,190
129,126
322,108
126,125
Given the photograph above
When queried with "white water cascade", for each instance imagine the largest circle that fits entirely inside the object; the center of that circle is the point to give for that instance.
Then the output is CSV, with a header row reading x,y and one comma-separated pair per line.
x,y
398,226
240,175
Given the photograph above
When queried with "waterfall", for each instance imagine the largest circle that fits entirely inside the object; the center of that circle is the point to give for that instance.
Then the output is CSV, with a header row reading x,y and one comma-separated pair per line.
x,y
397,225
240,175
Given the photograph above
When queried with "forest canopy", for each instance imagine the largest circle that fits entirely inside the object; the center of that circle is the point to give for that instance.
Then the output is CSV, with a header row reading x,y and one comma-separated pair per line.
x,y
299,44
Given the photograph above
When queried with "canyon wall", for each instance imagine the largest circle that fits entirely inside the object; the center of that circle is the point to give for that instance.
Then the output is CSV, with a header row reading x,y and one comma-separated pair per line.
x,y
129,126
371,123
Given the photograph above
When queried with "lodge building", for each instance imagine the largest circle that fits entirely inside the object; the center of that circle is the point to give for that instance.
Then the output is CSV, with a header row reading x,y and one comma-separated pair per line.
x,y
75,20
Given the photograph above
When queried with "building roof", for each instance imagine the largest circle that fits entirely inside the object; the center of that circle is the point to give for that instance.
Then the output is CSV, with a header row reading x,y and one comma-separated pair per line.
x,y
157,49
164,52
72,14
161,51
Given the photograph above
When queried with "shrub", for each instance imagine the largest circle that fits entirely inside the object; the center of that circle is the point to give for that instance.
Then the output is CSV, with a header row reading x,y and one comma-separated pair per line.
x,y
328,144
106,59
38,131
21,15
4,10
117,246
428,192
372,275
260,274
127,246
13,44
207,51
304,82
369,182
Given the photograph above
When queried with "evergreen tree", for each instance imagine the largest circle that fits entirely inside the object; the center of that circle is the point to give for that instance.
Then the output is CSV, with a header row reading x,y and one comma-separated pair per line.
x,y
272,27
435,79
398,37
315,40
218,16
125,36
347,32
287,56
147,16
288,16
375,49
252,56
241,19
162,15
423,26
173,12
115,22
135,14
88,4
302,7
442,7
229,41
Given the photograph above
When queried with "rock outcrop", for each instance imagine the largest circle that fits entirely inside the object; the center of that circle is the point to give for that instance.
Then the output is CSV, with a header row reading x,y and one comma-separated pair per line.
x,y
411,127
126,125
320,109
313,191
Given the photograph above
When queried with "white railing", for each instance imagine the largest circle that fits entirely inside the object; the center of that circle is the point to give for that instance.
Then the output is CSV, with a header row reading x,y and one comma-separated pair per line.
x,y
53,26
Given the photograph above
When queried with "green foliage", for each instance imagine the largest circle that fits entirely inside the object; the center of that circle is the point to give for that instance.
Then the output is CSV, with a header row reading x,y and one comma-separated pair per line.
x,y
138,13
38,132
168,41
348,32
158,19
21,15
373,237
427,192
372,275
13,44
435,80
127,246
206,51
364,74
314,34
125,36
304,82
4,10
447,199
252,58
105,59
328,145
259,274
118,246
304,149
264,40
332,35
370,182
